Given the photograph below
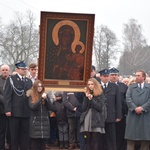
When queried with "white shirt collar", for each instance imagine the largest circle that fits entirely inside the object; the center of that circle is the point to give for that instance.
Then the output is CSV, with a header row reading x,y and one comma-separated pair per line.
x,y
32,78
102,83
20,76
142,85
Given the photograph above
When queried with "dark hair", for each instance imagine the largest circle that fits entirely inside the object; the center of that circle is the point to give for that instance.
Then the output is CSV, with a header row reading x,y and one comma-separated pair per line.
x,y
143,73
93,68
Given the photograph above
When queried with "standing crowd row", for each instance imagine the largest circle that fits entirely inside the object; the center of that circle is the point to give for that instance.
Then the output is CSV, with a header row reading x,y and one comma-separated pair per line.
x,y
108,115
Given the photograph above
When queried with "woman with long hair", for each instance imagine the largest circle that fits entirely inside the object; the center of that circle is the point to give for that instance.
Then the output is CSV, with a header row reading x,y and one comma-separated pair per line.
x,y
93,118
40,105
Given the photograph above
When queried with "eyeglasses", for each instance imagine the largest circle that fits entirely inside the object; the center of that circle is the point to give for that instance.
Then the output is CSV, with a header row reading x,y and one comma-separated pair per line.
x,y
40,86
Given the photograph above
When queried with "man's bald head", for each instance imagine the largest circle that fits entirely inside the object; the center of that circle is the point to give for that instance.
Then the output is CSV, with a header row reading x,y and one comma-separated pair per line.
x,y
5,71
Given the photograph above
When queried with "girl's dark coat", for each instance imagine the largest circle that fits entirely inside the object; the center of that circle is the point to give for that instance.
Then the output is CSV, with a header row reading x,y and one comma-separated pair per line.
x,y
97,105
39,120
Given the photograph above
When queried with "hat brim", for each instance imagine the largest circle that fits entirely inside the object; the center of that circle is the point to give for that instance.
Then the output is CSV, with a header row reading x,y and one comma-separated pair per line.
x,y
113,73
22,68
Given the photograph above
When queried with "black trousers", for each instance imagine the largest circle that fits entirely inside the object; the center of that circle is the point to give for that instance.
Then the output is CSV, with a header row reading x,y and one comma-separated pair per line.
x,y
108,140
72,130
3,119
19,130
38,144
120,133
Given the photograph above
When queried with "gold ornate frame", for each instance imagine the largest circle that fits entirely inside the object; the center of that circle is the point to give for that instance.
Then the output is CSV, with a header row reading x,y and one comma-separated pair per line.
x,y
63,74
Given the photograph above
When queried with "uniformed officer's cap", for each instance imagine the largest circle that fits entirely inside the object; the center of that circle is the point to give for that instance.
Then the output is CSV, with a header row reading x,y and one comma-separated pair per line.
x,y
113,71
104,72
21,65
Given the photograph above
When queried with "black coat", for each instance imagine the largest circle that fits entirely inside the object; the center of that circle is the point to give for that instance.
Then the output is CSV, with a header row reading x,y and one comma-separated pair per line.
x,y
60,110
113,101
15,97
2,81
123,90
80,96
70,102
39,120
96,104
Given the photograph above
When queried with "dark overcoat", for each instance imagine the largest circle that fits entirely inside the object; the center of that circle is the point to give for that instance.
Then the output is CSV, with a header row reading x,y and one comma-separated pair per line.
x,y
15,97
2,81
123,89
138,125
113,101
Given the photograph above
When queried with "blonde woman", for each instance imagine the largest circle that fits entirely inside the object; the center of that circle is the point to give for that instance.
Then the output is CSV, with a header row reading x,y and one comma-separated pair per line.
x,y
92,119
131,81
40,105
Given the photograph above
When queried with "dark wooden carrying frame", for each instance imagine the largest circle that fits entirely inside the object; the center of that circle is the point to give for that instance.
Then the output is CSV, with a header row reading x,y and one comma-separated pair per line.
x,y
83,26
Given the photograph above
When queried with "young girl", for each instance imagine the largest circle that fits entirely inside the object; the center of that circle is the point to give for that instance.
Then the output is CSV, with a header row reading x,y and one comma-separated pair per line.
x,y
40,104
92,119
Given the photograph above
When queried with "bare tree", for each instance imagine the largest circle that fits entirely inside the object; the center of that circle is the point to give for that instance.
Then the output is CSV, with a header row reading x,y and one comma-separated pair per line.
x,y
134,42
19,40
104,47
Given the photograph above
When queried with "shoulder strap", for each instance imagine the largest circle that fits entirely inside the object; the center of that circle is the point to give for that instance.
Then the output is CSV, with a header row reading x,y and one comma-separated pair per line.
x,y
18,92
11,82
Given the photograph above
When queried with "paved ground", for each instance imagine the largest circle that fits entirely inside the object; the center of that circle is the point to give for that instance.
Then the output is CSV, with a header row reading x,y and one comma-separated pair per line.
x,y
51,147
55,147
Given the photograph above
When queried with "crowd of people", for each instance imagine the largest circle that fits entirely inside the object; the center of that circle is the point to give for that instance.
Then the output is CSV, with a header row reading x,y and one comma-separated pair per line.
x,y
112,113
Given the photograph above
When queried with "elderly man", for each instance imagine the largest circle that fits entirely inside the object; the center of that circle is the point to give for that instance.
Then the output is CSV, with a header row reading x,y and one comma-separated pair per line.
x,y
17,107
138,102
5,71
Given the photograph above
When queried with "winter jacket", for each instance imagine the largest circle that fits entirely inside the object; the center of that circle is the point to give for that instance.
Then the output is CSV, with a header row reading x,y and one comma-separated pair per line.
x,y
60,110
97,105
39,120
70,102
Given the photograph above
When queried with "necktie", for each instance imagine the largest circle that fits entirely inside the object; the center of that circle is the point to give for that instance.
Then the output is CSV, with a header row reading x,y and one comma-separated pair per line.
x,y
140,86
105,86
22,79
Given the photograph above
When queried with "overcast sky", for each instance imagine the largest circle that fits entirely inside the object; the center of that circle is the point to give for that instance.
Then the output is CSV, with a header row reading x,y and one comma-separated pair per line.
x,y
112,13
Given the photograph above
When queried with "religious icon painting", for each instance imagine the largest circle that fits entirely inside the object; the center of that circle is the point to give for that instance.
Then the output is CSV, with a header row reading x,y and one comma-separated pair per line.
x,y
65,53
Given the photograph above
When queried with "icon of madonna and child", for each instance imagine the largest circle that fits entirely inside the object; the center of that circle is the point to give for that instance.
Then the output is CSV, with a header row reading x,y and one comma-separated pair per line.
x,y
65,59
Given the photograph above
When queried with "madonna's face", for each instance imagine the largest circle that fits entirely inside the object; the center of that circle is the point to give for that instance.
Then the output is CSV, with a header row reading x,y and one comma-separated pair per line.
x,y
66,35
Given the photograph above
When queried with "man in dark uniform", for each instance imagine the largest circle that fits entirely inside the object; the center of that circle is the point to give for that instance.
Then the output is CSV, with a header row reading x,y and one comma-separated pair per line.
x,y
17,108
114,113
5,71
120,126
